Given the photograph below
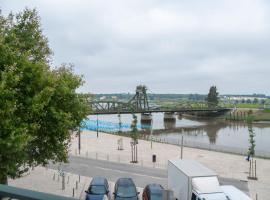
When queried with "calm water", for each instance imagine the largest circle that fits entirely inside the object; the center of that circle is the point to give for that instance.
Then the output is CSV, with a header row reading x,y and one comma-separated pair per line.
x,y
211,131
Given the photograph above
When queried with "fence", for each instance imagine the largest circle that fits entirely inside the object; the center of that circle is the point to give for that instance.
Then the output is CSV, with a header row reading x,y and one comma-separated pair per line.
x,y
213,147
124,159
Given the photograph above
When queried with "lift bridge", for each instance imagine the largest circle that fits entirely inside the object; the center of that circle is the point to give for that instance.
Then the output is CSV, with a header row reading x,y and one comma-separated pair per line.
x,y
139,103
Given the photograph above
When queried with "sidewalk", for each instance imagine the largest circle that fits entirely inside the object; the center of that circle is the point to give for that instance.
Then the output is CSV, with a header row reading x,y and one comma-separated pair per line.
x,y
226,165
46,180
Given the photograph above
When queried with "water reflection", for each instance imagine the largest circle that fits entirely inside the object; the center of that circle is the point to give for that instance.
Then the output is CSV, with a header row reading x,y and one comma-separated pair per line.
x,y
207,131
170,124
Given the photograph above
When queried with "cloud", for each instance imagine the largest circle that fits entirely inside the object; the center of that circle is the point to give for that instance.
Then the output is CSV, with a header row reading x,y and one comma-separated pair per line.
x,y
172,46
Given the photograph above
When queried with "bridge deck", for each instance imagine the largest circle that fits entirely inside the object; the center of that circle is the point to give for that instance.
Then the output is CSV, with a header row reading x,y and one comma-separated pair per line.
x,y
182,110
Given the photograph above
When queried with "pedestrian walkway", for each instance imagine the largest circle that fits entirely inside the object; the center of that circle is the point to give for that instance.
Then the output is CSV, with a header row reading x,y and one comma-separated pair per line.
x,y
226,165
46,180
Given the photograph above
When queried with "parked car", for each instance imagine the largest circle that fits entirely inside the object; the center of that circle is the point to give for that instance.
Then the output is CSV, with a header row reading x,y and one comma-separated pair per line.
x,y
125,189
98,189
152,192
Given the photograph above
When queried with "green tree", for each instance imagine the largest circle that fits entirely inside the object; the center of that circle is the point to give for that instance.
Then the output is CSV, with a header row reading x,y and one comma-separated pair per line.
x,y
212,97
248,101
134,129
251,149
38,105
255,101
134,138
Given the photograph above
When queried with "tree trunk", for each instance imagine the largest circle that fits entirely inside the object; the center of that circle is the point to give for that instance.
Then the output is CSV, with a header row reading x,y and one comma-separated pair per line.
x,y
3,179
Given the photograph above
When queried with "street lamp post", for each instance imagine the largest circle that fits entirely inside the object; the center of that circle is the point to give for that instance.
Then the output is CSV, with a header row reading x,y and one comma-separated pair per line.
x,y
79,140
97,125
151,133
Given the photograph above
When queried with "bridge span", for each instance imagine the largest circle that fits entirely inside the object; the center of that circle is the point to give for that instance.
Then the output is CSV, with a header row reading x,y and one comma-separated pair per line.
x,y
139,104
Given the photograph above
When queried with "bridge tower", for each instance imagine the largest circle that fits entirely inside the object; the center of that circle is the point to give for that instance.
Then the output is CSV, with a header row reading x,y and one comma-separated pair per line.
x,y
140,99
140,102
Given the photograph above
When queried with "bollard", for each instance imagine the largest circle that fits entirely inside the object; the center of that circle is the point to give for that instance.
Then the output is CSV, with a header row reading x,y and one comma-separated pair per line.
x,y
76,185
182,139
63,182
255,169
54,176
73,192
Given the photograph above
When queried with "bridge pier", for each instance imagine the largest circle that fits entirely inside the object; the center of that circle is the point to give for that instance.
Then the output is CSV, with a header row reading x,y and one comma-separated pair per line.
x,y
146,117
169,116
169,124
179,116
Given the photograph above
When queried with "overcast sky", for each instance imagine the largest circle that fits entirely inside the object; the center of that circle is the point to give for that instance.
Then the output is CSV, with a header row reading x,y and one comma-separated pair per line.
x,y
177,46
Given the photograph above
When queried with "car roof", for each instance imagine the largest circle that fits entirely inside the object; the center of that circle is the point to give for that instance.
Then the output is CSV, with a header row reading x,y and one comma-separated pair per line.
x,y
155,187
125,181
98,181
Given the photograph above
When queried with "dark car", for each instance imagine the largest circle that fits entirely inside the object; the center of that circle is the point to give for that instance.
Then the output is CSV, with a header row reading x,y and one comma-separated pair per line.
x,y
125,189
152,192
97,189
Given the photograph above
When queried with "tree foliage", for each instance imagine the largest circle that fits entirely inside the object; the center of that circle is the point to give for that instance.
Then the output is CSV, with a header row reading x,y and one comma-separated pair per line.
x,y
38,105
212,97
134,129
251,149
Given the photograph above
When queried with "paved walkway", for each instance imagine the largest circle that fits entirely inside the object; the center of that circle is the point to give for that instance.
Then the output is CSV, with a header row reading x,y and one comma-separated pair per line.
x,y
47,180
226,165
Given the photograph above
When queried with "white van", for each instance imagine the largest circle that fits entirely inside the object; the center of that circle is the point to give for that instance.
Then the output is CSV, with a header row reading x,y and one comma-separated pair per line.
x,y
233,193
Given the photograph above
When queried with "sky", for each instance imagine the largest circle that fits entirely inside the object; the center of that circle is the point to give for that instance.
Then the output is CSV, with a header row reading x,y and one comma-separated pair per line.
x,y
174,46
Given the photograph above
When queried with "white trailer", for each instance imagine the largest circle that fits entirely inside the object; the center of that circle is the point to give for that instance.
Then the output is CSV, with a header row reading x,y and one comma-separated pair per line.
x,y
189,180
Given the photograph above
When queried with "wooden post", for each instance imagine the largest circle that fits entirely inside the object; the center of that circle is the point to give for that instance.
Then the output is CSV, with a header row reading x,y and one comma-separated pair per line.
x,y
63,182
182,146
250,168
97,126
255,170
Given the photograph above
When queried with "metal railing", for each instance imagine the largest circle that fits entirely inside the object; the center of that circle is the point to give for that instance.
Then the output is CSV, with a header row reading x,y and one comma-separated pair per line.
x,y
118,158
11,192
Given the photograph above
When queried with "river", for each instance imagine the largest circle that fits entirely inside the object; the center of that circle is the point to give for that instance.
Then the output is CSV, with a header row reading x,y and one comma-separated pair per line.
x,y
207,134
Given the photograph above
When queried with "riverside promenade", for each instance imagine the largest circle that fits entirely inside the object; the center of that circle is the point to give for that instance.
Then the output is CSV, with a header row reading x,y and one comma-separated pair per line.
x,y
105,147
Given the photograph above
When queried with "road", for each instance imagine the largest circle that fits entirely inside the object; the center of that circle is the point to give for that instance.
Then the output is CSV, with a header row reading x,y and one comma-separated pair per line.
x,y
141,175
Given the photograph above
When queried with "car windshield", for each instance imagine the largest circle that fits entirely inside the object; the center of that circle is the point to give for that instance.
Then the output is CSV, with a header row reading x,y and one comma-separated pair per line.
x,y
97,189
156,196
126,191
214,196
